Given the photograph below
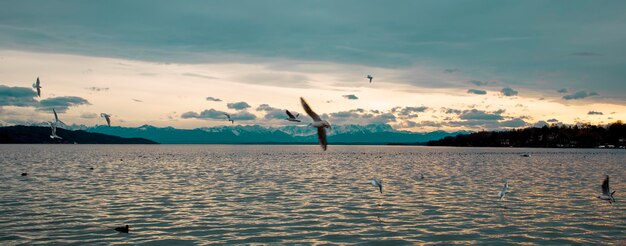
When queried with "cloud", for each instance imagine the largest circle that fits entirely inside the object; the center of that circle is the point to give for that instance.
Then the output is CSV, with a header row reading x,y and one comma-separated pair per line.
x,y
213,99
198,75
579,95
507,91
594,113
516,122
584,53
93,88
217,115
350,97
563,90
88,115
452,111
137,100
61,104
409,111
273,113
450,70
238,105
478,82
477,92
360,116
475,114
552,120
17,96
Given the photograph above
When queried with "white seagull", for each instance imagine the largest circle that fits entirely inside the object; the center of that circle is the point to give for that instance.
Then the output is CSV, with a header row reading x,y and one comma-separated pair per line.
x,y
318,123
292,117
229,119
56,119
106,117
370,77
378,183
503,192
53,127
37,86
606,191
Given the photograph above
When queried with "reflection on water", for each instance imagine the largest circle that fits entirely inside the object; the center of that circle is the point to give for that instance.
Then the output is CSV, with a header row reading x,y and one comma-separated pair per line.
x,y
207,194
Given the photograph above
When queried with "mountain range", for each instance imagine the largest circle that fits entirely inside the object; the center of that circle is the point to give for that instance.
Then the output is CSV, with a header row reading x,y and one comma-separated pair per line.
x,y
256,134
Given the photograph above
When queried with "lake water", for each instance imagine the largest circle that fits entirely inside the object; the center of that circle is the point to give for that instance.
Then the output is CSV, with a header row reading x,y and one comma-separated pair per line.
x,y
219,194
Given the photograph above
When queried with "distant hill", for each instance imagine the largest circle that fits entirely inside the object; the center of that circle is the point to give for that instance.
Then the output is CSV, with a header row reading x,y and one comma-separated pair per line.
x,y
255,134
583,136
38,134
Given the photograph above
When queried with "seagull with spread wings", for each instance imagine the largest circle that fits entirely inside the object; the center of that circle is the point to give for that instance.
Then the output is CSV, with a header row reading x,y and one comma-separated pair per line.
x,y
229,119
292,117
318,123
606,191
37,86
107,117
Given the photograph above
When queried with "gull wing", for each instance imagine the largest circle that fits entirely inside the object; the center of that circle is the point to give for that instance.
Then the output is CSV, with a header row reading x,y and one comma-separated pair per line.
x,y
108,120
314,116
289,114
227,115
38,91
56,118
321,135
605,186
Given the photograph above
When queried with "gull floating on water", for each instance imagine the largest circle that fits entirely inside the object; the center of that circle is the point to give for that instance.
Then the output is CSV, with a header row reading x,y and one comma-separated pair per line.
x,y
37,86
318,123
292,117
378,183
106,117
606,191
123,229
229,119
503,192
370,78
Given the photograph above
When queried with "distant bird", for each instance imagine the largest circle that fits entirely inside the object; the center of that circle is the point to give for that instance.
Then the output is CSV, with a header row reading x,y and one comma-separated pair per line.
x,y
106,117
606,191
123,229
379,183
24,174
525,155
53,127
37,86
229,119
370,78
56,118
503,192
291,117
421,176
317,123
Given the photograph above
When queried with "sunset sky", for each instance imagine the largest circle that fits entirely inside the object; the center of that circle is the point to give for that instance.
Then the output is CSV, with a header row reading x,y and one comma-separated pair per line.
x,y
437,65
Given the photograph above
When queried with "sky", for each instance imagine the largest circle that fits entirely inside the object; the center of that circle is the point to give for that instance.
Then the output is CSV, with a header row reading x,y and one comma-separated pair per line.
x,y
437,65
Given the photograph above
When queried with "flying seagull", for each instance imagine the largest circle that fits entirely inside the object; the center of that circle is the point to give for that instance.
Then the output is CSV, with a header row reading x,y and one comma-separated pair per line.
x,y
370,77
291,117
53,127
229,119
318,123
606,191
123,229
37,86
503,192
56,118
106,117
379,183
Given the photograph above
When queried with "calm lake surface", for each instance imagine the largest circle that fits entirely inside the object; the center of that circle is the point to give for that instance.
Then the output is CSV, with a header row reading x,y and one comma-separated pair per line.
x,y
221,194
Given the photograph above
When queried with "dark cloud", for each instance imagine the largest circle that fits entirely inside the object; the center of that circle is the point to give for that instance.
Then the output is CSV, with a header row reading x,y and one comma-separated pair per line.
x,y
137,100
450,70
553,120
273,113
508,91
475,114
477,92
452,111
17,96
594,113
584,53
238,105
213,99
217,115
409,111
61,104
350,97
360,116
563,90
478,82
93,88
579,95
